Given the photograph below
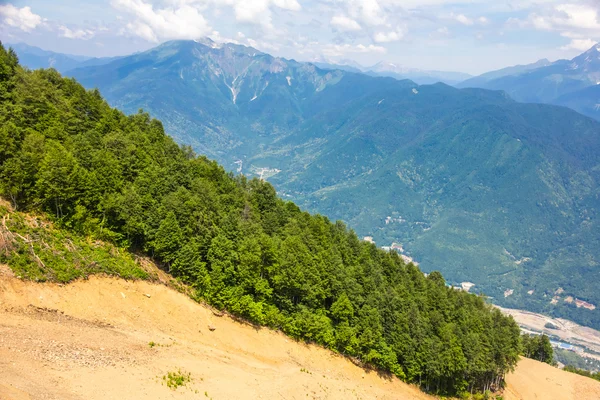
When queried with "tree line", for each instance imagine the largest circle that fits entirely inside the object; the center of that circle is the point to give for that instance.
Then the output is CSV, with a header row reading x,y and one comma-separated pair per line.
x,y
537,347
121,179
583,372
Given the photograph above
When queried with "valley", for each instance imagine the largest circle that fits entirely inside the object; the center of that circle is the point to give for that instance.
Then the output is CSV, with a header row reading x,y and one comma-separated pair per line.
x,y
586,341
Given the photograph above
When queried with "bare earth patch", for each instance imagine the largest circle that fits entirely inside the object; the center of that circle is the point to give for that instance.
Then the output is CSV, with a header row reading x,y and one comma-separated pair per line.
x,y
108,338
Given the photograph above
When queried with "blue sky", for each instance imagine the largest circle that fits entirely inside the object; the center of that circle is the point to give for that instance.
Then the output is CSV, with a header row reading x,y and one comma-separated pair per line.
x,y
471,36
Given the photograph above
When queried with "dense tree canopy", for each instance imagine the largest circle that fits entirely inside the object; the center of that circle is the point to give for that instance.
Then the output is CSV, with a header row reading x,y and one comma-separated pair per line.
x,y
120,178
538,347
583,372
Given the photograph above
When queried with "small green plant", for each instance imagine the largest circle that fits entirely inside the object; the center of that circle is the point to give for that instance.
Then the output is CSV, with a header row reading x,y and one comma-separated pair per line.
x,y
152,344
305,370
173,380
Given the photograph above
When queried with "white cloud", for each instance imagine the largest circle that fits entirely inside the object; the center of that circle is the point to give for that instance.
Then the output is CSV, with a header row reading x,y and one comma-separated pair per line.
x,y
578,22
242,39
337,50
579,44
562,17
463,19
154,25
83,34
344,24
256,12
216,37
393,36
262,45
577,16
443,31
21,18
483,20
367,12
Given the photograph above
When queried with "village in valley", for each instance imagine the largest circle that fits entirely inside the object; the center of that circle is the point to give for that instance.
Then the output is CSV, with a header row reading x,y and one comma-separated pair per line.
x,y
397,247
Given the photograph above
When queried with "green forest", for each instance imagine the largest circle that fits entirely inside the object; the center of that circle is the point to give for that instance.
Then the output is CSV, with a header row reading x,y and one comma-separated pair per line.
x,y
583,372
118,179
538,347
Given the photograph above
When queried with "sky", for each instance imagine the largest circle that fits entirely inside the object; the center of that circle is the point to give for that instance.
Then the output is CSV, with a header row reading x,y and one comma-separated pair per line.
x,y
472,36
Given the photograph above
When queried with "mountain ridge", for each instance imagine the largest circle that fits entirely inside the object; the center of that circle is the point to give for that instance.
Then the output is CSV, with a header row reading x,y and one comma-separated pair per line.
x,y
33,57
564,82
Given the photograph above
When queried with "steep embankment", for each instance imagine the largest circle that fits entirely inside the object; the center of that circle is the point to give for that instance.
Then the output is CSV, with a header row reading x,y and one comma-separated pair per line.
x,y
90,339
535,380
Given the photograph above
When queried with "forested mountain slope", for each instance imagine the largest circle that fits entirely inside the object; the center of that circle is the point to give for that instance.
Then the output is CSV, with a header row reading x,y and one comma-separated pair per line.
x,y
223,99
121,179
503,195
470,182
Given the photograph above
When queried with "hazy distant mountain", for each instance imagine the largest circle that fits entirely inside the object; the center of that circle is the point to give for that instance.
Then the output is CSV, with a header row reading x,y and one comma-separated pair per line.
x,y
483,188
342,67
421,77
34,58
586,101
564,82
481,80
391,70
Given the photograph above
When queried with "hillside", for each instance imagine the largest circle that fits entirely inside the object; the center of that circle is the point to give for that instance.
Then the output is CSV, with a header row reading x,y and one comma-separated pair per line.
x,y
422,77
98,181
110,356
470,182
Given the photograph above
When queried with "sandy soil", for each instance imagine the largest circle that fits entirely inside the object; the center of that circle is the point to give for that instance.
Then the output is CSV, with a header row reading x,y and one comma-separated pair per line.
x,y
90,340
535,380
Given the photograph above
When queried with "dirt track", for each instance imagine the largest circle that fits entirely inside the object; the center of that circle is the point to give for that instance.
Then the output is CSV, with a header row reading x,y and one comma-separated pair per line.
x,y
90,340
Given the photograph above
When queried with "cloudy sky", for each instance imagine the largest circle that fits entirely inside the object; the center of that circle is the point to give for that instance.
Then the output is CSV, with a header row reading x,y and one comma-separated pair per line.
x,y
471,36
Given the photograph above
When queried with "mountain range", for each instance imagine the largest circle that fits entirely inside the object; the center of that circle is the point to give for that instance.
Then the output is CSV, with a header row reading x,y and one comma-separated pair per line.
x,y
33,58
571,83
392,70
470,182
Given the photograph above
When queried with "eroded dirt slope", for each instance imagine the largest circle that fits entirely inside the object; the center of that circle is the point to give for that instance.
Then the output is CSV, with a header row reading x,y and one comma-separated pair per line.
x,y
90,340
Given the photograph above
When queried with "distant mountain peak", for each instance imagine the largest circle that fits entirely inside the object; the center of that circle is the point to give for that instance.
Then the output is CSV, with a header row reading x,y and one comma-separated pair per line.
x,y
593,51
209,42
387,66
544,62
